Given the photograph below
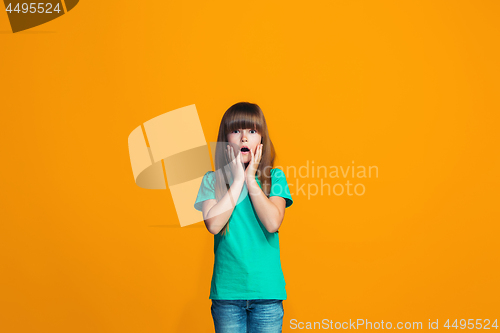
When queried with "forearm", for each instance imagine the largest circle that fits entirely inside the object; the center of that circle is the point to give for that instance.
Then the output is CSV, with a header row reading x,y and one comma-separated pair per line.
x,y
220,213
267,211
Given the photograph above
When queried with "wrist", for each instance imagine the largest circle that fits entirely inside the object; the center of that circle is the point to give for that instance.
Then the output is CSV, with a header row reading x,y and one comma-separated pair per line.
x,y
249,179
239,179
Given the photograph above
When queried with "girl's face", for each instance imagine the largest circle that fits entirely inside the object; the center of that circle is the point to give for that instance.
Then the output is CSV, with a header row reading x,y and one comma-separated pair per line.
x,y
244,140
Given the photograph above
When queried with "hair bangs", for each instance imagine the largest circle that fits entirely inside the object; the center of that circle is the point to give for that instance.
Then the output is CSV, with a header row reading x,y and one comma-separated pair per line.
x,y
243,119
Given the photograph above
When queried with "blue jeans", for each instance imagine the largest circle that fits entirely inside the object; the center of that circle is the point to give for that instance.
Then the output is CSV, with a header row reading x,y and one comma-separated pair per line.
x,y
252,316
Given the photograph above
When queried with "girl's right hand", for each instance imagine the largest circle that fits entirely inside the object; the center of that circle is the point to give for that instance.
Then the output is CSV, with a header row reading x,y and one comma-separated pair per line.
x,y
237,168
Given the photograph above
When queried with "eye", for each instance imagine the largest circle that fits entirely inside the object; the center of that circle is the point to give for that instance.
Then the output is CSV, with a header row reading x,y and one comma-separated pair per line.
x,y
255,131
235,131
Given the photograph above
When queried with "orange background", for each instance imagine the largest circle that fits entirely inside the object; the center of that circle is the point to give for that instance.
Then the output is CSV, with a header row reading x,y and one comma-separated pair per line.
x,y
409,87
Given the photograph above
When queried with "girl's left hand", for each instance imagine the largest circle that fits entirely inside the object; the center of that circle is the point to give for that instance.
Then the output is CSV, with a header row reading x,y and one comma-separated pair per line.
x,y
254,163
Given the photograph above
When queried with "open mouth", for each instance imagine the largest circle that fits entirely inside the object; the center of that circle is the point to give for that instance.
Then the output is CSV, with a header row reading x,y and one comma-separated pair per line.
x,y
245,150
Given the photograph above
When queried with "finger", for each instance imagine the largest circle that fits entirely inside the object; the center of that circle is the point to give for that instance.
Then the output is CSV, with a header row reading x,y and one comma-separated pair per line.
x,y
238,157
235,153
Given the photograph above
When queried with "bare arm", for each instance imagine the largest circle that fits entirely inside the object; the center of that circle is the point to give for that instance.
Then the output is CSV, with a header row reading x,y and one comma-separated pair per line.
x,y
216,214
271,211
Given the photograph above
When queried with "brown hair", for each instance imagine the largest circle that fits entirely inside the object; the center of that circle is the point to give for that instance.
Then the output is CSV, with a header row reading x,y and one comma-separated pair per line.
x,y
242,116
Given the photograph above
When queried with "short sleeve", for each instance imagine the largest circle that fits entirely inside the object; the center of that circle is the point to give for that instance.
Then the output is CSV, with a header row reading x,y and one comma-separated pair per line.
x,y
279,186
206,191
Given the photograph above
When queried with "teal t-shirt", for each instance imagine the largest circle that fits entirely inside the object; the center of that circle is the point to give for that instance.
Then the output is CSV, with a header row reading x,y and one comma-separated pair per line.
x,y
247,259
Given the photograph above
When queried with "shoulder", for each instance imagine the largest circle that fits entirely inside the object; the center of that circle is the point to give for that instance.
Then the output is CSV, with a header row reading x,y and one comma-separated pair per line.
x,y
209,175
275,172
280,186
278,176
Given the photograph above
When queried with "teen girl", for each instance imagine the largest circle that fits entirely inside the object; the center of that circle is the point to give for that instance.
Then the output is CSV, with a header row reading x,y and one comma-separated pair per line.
x,y
243,204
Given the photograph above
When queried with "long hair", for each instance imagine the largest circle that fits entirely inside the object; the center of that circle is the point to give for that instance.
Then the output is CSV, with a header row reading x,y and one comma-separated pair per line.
x,y
242,116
